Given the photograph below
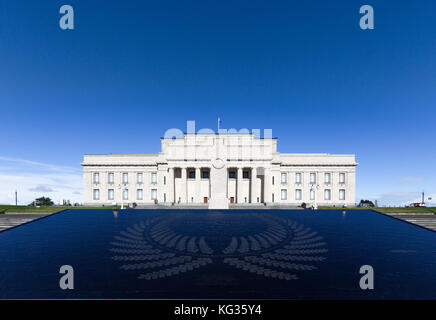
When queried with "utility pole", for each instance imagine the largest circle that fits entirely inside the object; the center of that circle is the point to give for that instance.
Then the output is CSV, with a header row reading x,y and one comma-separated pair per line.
x,y
423,202
16,198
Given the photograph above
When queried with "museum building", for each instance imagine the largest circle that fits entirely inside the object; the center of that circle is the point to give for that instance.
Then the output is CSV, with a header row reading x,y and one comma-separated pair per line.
x,y
218,171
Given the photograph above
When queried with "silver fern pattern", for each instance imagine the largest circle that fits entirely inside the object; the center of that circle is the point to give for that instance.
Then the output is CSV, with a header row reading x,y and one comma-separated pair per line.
x,y
283,249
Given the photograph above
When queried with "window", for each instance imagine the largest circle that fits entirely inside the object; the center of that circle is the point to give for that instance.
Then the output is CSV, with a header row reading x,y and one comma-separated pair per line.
x,y
96,194
232,174
205,175
125,194
139,194
341,194
327,178
139,177
298,177
312,194
153,194
153,177
110,194
284,194
284,178
125,177
341,177
110,178
191,175
313,178
273,181
245,175
165,180
327,194
298,194
96,177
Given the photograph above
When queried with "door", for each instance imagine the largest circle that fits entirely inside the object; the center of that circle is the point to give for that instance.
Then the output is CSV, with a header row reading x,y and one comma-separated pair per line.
x,y
232,199
205,199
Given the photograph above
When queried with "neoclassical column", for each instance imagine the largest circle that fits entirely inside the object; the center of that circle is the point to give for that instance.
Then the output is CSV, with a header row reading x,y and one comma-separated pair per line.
x,y
197,185
183,191
171,186
239,197
267,185
253,185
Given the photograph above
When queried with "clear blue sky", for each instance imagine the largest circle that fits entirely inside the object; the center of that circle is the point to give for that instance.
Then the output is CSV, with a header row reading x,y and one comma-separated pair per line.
x,y
132,69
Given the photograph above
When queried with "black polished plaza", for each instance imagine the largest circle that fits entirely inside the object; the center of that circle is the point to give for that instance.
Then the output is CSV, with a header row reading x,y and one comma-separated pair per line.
x,y
208,254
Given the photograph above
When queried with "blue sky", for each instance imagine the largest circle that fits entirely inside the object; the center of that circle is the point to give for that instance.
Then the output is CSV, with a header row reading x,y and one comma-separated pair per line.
x,y
132,69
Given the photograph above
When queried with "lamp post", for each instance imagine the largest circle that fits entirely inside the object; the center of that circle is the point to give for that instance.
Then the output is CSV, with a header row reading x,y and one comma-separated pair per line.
x,y
314,188
122,195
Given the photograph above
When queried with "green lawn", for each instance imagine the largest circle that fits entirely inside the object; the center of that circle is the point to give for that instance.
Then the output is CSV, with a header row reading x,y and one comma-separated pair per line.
x,y
393,209
406,210
24,209
9,208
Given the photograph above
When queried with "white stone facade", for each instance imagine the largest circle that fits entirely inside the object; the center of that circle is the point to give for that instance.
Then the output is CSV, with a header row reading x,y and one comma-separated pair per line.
x,y
219,168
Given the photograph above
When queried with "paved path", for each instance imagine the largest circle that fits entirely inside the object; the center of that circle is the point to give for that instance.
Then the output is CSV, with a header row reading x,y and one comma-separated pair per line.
x,y
428,221
9,220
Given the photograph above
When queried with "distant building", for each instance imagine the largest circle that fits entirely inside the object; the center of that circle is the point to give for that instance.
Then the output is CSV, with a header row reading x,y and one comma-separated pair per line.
x,y
219,169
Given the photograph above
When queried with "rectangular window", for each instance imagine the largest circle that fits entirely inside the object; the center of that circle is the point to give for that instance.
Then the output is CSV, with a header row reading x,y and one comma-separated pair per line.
x,y
232,174
312,194
284,194
153,194
96,194
125,177
245,175
298,177
313,178
341,177
284,178
139,194
327,194
297,194
110,178
110,194
96,177
341,194
153,177
205,175
327,178
139,177
165,180
125,194
191,175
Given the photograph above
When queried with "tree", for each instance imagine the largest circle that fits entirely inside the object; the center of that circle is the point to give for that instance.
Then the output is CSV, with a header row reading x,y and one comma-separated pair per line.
x,y
43,201
366,204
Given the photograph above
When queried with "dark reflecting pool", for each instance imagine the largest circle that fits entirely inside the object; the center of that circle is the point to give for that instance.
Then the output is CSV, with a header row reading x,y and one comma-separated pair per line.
x,y
169,254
